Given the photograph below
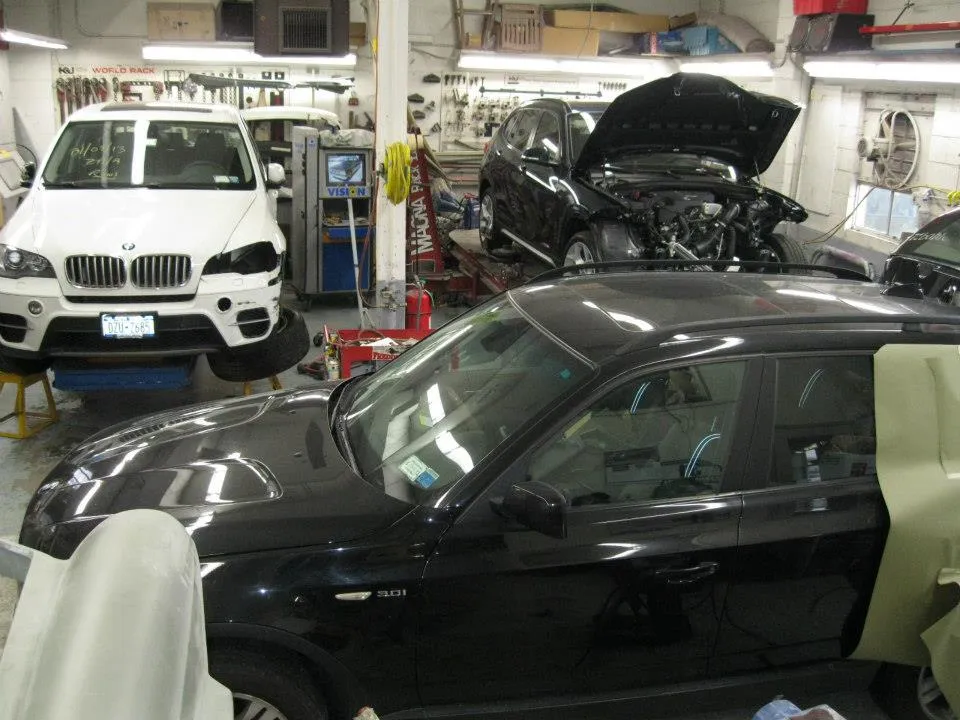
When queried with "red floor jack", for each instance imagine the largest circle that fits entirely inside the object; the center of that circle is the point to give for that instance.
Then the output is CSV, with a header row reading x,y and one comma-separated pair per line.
x,y
342,349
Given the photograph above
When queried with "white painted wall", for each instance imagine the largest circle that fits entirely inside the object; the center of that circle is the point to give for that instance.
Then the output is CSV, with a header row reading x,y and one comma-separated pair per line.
x,y
28,108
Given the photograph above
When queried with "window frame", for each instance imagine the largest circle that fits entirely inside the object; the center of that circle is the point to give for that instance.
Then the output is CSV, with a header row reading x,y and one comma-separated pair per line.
x,y
860,210
560,154
760,465
732,480
516,120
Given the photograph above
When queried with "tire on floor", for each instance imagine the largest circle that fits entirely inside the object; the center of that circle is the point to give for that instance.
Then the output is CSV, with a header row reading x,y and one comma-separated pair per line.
x,y
283,349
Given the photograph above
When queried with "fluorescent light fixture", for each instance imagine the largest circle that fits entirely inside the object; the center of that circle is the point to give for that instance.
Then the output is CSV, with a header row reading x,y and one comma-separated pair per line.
x,y
24,38
527,63
896,71
240,53
732,68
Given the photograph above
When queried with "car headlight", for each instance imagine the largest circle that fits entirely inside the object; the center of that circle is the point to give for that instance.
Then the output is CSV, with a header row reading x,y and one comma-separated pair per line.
x,y
16,263
256,258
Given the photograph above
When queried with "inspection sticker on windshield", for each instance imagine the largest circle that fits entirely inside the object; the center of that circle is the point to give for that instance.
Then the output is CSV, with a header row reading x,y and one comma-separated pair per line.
x,y
418,473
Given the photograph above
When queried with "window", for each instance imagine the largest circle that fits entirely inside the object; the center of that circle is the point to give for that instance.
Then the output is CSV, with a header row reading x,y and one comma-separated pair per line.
x,y
659,436
518,131
824,427
884,211
581,124
430,416
158,154
548,136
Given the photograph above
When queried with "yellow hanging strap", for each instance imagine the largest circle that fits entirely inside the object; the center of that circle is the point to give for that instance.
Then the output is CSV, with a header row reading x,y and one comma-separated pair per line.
x,y
396,170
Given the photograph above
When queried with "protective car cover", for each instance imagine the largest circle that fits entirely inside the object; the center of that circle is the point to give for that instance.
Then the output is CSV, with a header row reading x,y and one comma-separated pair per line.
x,y
913,619
117,631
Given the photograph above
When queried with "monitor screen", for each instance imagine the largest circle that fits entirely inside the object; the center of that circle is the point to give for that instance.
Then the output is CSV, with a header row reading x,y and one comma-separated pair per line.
x,y
346,169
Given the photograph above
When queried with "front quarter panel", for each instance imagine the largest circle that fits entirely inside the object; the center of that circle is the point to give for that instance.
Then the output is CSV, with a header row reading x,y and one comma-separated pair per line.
x,y
295,592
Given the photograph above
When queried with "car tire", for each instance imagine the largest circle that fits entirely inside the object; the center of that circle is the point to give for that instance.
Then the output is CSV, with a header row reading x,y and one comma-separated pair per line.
x,y
580,250
491,239
22,366
283,690
780,248
283,349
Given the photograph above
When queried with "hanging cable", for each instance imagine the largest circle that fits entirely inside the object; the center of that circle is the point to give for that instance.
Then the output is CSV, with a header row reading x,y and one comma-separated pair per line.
x,y
396,172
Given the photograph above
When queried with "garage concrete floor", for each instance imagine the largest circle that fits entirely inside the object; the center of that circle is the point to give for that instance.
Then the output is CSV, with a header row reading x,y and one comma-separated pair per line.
x,y
25,463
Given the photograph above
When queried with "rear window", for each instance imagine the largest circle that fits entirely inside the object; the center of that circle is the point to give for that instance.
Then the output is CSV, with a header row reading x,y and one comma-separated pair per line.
x,y
937,240
156,154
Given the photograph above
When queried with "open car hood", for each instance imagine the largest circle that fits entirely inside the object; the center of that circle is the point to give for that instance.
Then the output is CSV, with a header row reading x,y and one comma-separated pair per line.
x,y
693,113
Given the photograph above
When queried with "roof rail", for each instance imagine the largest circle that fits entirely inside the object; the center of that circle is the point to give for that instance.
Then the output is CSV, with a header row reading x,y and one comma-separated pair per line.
x,y
909,322
641,265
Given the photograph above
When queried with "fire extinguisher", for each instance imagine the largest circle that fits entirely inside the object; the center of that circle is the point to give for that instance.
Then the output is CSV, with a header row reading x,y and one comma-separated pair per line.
x,y
419,307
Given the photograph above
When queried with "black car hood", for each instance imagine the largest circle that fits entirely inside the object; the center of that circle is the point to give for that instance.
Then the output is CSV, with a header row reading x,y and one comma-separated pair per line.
x,y
692,113
257,473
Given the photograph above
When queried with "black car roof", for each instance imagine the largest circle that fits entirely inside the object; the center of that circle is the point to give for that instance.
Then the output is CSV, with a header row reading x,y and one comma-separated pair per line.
x,y
602,314
568,106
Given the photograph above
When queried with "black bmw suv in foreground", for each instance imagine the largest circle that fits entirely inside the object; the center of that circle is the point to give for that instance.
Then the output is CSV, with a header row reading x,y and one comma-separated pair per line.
x,y
590,489
667,170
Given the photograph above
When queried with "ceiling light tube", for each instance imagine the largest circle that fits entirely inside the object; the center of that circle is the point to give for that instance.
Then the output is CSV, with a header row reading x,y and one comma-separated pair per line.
x,y
894,71
24,38
240,54
573,66
730,68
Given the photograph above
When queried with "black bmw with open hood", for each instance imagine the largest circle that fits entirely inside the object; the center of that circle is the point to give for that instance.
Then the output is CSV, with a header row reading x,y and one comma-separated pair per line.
x,y
667,170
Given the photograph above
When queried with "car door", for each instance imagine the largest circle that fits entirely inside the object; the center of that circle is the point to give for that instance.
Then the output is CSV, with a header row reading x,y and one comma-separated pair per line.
x,y
541,183
814,521
633,594
509,190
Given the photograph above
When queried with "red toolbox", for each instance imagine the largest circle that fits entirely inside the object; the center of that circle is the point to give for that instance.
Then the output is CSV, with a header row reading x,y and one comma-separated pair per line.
x,y
818,7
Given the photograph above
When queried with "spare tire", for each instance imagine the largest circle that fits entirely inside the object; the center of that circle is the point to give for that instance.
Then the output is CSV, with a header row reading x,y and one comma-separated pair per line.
x,y
283,349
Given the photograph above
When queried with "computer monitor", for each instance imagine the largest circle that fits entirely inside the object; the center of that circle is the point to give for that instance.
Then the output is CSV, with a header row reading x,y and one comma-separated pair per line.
x,y
346,168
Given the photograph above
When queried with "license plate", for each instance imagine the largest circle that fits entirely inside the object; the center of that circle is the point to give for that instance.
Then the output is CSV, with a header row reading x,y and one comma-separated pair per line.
x,y
128,326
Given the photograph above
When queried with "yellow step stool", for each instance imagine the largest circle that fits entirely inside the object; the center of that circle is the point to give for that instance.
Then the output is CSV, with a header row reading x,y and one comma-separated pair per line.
x,y
274,383
24,429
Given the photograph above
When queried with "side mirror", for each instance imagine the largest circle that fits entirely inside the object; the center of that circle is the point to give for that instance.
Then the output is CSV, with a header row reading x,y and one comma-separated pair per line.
x,y
275,176
537,506
28,175
539,156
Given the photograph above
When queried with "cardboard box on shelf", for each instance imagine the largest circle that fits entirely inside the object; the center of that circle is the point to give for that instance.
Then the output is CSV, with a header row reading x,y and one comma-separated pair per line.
x,y
570,41
358,33
679,21
181,21
609,21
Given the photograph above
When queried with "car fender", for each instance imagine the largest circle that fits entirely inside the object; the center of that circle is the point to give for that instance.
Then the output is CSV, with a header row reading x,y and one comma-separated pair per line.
x,y
347,689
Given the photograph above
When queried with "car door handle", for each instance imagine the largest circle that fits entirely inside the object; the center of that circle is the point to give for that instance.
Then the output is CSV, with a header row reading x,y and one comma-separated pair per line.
x,y
687,575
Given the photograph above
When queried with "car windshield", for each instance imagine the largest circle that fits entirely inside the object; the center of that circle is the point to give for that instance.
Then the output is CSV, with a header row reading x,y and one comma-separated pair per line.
x,y
937,240
428,418
150,153
581,124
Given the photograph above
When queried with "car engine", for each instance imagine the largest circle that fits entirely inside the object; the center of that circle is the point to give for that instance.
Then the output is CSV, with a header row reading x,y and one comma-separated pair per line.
x,y
704,219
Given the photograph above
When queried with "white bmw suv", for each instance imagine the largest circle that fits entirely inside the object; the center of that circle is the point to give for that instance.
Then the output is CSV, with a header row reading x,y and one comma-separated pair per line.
x,y
149,232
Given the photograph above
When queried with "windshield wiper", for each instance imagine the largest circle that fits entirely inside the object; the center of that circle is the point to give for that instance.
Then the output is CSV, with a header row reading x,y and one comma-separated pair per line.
x,y
338,418
63,184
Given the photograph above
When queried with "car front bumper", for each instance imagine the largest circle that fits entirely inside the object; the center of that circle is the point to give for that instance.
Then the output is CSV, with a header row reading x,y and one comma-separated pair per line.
x,y
185,324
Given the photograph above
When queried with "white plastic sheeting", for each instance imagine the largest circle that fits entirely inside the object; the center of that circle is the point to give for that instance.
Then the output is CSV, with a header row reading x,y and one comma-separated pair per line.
x,y
117,631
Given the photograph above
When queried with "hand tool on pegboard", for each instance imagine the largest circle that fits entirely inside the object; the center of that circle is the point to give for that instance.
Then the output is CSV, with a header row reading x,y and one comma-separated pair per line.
x,y
158,90
61,88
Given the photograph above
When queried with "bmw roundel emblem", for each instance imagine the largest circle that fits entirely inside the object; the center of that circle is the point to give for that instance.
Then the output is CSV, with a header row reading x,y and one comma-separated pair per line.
x,y
128,246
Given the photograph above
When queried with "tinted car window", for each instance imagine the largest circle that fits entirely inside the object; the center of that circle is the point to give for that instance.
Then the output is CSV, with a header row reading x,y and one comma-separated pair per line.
x,y
429,417
581,124
937,240
160,154
658,436
824,420
518,131
548,136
